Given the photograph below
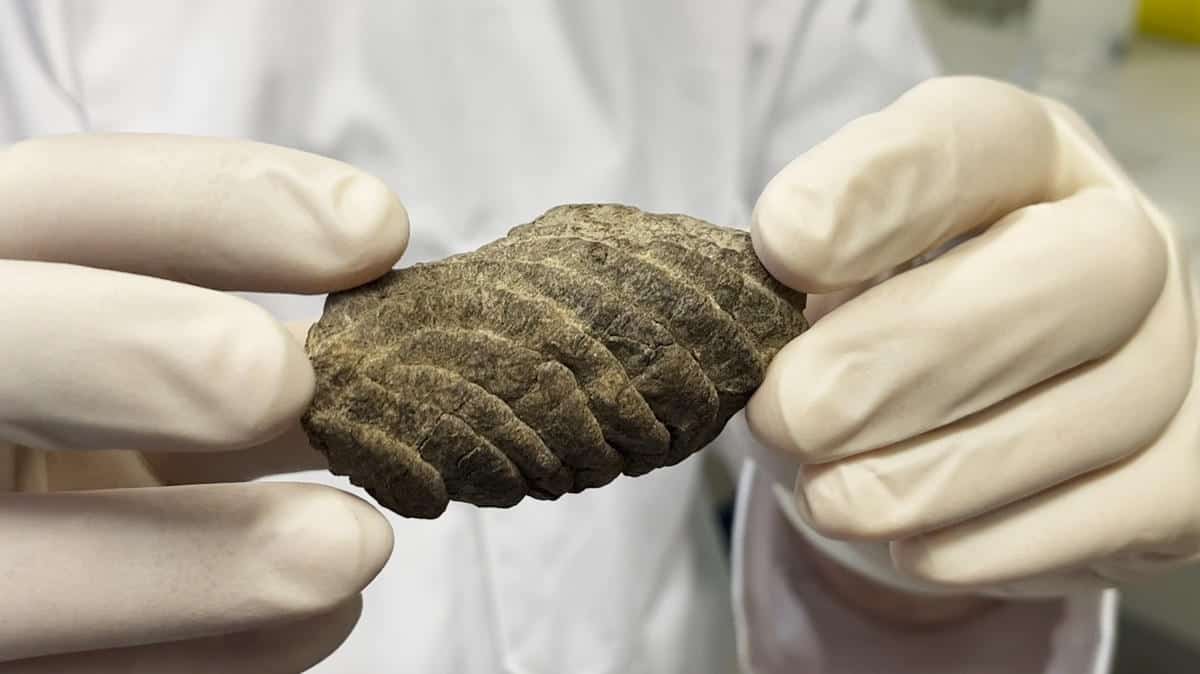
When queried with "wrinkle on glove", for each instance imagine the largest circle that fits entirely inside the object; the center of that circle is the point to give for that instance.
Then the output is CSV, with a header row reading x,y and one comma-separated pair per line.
x,y
1015,415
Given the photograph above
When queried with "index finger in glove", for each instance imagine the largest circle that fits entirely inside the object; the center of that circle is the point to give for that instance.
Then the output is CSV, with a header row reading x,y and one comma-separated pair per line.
x,y
224,214
106,360
127,567
950,156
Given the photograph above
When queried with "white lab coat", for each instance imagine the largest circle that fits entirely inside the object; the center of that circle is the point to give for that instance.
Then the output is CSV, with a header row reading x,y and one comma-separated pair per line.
x,y
480,114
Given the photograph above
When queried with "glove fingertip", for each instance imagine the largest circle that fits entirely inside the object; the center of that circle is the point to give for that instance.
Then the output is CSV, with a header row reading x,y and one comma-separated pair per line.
x,y
794,235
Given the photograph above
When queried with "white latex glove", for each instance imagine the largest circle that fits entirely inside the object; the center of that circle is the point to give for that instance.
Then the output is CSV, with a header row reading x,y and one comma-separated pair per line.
x,y
1018,415
115,337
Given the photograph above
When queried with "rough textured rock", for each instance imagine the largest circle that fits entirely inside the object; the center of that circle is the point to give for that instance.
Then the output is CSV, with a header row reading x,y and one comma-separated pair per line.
x,y
596,341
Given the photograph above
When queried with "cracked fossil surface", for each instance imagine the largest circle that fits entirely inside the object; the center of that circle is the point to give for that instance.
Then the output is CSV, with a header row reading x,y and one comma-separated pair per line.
x,y
595,341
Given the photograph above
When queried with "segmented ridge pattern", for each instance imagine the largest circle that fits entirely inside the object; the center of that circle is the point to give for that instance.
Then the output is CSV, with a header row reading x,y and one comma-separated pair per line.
x,y
596,341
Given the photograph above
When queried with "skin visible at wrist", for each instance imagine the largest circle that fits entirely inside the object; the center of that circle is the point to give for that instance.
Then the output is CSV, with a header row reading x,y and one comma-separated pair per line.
x,y
893,606
889,602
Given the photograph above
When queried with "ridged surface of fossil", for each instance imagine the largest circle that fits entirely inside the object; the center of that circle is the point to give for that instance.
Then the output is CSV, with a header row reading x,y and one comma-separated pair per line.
x,y
596,341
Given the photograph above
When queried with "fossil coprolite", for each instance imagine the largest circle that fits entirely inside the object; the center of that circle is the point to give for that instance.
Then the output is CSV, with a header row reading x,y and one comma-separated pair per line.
x,y
595,341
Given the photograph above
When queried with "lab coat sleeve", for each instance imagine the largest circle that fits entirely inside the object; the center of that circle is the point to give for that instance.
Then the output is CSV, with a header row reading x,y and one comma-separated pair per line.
x,y
38,93
787,621
814,67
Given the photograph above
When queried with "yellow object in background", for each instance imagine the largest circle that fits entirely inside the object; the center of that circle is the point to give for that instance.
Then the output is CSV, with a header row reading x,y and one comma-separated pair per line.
x,y
1176,19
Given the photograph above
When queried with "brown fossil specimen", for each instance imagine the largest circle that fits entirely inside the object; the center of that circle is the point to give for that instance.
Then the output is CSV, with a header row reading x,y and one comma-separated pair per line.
x,y
595,341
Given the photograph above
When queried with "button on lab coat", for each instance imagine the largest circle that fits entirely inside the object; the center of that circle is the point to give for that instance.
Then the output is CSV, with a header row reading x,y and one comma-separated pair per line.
x,y
481,114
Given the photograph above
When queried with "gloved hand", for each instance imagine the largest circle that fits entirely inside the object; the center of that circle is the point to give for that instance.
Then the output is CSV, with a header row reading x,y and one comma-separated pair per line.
x,y
1017,415
115,337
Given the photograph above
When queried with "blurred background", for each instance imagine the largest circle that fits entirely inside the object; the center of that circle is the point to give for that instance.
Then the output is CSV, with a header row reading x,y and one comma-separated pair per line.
x,y
1133,68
